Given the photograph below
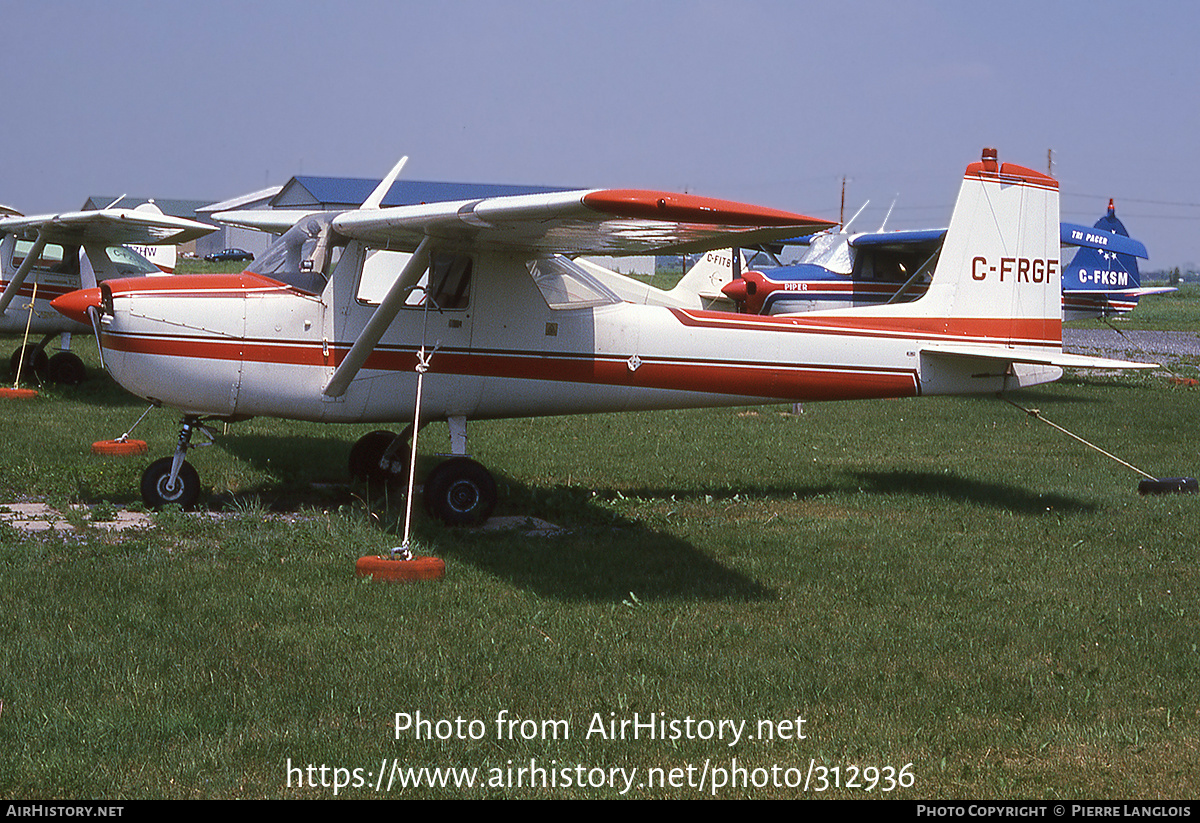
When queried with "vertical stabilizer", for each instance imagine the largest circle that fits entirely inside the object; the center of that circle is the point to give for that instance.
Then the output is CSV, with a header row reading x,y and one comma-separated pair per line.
x,y
1103,279
997,278
712,271
994,306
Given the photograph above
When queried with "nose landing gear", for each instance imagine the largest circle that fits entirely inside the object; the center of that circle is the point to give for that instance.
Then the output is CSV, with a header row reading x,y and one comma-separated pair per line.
x,y
172,479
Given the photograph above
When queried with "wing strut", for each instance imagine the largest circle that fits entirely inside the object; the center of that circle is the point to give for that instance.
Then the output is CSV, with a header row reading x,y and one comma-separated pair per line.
x,y
31,258
380,320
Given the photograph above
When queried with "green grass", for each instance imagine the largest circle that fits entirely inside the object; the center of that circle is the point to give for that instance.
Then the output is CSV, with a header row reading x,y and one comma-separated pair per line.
x,y
946,583
1177,311
205,267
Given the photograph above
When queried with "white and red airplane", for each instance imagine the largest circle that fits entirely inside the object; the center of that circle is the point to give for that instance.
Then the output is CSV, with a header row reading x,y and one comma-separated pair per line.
x,y
61,253
517,329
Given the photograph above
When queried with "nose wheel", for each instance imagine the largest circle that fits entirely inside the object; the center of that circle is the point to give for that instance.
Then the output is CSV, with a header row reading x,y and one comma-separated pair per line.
x,y
172,479
158,488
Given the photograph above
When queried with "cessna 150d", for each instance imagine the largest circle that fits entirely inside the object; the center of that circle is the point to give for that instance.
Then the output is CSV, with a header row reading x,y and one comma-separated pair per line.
x,y
518,329
60,253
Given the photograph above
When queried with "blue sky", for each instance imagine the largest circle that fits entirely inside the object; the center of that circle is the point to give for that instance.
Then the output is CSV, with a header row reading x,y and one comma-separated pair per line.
x,y
767,102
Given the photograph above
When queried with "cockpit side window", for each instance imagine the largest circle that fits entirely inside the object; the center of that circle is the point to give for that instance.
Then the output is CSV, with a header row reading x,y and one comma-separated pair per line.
x,y
54,258
451,279
565,285
128,263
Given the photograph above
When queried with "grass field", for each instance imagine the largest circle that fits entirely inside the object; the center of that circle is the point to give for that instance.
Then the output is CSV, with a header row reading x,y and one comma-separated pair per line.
x,y
956,600
1177,311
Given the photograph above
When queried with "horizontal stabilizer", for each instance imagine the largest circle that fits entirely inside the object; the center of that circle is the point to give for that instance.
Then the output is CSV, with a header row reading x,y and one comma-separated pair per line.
x,y
1048,358
1140,291
1073,234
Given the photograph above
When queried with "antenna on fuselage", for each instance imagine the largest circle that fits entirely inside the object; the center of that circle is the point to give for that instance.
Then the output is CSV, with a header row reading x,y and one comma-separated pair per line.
x,y
889,212
846,226
375,198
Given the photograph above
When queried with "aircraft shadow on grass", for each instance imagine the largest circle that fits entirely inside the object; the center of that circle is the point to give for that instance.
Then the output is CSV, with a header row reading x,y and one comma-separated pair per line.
x,y
602,556
956,487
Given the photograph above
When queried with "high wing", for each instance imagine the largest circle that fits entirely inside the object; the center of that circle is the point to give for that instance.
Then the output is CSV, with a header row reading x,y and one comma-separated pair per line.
x,y
597,222
274,221
609,222
116,227
113,227
1071,234
908,239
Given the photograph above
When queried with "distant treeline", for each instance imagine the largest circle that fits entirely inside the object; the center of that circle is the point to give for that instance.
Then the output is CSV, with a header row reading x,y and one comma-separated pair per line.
x,y
1171,277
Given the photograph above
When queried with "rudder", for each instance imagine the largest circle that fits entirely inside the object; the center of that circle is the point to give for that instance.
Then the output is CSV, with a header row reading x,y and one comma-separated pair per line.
x,y
997,278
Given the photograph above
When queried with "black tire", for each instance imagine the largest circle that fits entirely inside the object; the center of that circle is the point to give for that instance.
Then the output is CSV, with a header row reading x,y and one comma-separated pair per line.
x,y
66,369
36,363
460,492
156,493
367,462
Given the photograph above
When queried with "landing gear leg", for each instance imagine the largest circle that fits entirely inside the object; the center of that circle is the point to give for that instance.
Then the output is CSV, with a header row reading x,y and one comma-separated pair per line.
x,y
172,479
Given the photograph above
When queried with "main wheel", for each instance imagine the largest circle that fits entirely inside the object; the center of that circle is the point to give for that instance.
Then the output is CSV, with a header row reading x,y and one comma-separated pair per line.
x,y
36,363
66,368
157,491
460,492
368,464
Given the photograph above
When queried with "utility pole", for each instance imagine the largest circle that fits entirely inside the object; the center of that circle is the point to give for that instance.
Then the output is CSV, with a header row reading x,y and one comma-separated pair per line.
x,y
842,210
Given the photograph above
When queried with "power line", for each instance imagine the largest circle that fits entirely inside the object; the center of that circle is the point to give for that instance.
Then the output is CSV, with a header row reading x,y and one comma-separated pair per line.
x,y
1134,200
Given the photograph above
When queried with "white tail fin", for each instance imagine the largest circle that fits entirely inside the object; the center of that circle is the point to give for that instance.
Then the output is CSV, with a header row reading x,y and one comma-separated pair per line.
x,y
998,277
165,257
994,304
705,279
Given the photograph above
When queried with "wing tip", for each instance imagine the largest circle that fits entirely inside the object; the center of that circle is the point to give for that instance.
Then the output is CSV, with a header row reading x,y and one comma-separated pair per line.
x,y
690,208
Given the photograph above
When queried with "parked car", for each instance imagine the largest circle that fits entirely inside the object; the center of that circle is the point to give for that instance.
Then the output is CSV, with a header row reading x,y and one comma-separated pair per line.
x,y
227,255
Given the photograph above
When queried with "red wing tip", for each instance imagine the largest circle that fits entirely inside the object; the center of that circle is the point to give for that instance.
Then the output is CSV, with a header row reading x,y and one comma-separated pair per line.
x,y
689,208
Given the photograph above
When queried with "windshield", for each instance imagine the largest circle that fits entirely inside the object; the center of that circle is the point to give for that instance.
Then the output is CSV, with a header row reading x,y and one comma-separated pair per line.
x,y
303,255
129,263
